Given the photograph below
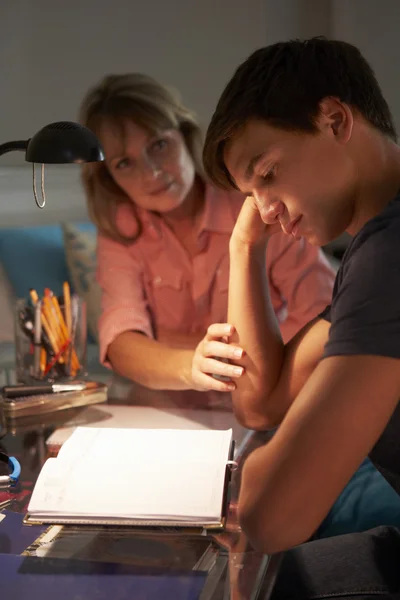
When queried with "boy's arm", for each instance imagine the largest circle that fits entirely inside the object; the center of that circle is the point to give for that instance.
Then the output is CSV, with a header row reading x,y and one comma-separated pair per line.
x,y
274,373
289,485
342,410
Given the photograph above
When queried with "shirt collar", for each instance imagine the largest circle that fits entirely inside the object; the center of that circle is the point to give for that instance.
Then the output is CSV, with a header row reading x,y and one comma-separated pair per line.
x,y
151,222
218,213
217,216
126,221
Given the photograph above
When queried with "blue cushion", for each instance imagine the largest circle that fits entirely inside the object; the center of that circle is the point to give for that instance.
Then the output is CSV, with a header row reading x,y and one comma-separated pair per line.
x,y
34,257
366,502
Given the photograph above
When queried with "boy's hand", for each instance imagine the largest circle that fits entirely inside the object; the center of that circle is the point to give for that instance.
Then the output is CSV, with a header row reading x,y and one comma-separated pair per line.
x,y
249,229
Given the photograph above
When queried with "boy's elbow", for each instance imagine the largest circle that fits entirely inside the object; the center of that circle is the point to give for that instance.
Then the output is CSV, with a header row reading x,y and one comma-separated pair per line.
x,y
269,535
254,421
256,413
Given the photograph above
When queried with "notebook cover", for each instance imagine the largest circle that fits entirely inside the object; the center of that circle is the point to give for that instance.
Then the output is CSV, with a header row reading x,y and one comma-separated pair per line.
x,y
38,578
31,520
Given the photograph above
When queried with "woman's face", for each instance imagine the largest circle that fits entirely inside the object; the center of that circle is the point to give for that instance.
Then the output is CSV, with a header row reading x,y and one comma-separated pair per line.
x,y
155,171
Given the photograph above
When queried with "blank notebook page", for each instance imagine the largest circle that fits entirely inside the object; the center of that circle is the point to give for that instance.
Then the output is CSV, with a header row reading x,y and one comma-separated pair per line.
x,y
135,473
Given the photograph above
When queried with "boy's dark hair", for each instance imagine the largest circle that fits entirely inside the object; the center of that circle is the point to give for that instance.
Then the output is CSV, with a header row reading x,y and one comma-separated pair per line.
x,y
284,84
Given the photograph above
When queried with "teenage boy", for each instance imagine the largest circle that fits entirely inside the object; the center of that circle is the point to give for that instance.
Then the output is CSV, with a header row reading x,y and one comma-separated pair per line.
x,y
303,129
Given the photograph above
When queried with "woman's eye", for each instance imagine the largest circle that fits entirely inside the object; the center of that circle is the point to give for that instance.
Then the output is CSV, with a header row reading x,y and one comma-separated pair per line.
x,y
124,163
159,145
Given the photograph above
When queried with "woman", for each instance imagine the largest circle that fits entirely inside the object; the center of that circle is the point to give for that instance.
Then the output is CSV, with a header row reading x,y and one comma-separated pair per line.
x,y
163,259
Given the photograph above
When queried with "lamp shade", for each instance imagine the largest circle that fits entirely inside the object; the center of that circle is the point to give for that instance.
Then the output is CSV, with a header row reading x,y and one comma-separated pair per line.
x,y
64,142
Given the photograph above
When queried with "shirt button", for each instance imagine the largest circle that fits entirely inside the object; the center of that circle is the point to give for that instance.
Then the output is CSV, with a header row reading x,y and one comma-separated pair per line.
x,y
157,280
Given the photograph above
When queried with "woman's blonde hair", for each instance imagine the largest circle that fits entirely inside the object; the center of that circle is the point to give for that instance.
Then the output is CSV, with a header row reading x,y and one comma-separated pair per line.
x,y
139,98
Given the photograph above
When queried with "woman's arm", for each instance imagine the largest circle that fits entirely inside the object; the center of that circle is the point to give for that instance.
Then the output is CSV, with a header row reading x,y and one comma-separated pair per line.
x,y
150,362
177,339
161,367
126,335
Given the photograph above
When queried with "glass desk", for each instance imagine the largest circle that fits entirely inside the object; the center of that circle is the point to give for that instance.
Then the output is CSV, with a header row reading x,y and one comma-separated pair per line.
x,y
233,570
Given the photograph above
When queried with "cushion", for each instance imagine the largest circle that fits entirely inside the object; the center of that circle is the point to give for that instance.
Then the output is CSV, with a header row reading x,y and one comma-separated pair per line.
x,y
7,304
366,502
80,250
33,257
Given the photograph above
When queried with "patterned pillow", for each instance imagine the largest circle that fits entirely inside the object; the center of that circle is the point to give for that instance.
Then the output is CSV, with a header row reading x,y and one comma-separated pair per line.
x,y
7,307
80,242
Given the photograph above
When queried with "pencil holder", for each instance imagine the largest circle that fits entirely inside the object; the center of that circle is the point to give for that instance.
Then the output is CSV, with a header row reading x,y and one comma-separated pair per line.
x,y
50,338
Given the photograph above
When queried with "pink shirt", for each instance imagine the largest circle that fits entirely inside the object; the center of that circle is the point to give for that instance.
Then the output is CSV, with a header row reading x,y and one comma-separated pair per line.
x,y
153,283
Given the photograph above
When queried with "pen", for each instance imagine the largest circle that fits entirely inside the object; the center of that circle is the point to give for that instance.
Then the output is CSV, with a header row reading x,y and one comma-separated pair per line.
x,y
15,391
74,323
47,324
37,338
67,307
26,322
43,361
63,327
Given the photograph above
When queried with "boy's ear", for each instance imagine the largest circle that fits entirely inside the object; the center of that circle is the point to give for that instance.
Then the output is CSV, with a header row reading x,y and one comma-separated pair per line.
x,y
336,119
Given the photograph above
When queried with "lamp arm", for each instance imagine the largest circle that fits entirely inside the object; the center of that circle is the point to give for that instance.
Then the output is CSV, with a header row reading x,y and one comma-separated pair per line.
x,y
11,146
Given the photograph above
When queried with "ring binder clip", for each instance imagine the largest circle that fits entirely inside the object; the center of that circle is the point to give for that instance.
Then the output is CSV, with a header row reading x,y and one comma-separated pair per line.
x,y
232,464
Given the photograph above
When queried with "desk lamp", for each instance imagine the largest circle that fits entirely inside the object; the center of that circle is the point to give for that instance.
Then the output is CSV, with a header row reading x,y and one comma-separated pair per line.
x,y
58,143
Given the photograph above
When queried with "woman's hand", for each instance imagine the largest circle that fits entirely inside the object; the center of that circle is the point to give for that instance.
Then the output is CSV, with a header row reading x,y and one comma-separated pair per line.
x,y
249,229
176,339
212,358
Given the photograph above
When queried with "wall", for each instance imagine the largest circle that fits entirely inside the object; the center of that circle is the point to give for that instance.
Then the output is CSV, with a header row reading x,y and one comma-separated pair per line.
x,y
373,26
51,51
286,19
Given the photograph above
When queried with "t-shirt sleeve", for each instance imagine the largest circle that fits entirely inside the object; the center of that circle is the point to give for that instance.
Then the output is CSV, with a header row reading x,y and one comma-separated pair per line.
x,y
326,314
365,311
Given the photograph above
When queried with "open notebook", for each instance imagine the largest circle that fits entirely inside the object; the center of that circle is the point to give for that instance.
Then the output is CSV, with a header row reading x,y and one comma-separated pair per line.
x,y
172,477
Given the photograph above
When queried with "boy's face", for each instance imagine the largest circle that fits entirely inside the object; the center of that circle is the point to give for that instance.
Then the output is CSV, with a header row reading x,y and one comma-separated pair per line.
x,y
306,181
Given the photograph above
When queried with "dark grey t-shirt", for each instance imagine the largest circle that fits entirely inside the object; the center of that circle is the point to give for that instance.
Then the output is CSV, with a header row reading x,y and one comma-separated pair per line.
x,y
365,314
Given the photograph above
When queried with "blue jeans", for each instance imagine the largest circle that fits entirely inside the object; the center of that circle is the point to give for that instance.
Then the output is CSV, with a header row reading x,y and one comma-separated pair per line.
x,y
355,566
